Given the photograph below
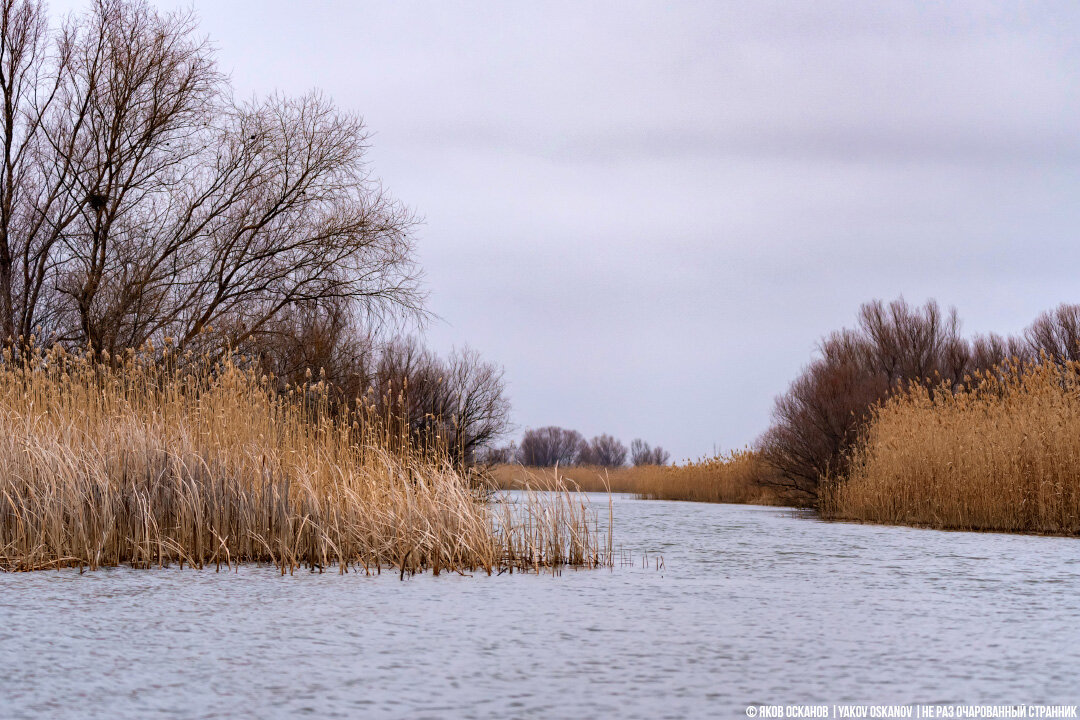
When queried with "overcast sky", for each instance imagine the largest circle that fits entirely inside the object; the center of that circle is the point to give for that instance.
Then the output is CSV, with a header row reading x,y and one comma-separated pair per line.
x,y
649,213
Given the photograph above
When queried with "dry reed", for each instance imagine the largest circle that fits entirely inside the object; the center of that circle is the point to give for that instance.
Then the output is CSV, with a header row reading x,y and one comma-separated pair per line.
x,y
1001,454
738,477
149,462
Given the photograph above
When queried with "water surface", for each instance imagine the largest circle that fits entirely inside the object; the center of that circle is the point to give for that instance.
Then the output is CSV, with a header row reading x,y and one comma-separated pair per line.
x,y
753,605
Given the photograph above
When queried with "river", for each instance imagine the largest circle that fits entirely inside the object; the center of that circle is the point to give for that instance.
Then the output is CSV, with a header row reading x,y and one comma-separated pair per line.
x,y
751,605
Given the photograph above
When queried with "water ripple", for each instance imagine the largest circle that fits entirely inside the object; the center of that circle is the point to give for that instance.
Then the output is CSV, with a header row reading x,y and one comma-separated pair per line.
x,y
753,605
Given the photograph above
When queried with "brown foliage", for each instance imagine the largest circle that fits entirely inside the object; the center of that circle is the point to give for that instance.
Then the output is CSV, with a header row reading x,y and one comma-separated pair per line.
x,y
148,461
820,415
817,421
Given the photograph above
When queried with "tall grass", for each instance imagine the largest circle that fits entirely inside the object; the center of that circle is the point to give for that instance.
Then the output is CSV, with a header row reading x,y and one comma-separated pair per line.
x,y
738,477
1001,453
154,461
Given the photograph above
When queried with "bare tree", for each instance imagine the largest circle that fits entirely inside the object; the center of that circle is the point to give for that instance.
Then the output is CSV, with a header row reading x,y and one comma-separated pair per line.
x,y
34,208
547,446
821,415
642,454
480,412
603,450
139,201
906,343
1055,334
989,351
321,339
459,401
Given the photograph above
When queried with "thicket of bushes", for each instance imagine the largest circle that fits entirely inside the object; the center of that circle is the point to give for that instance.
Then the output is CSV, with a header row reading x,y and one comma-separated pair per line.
x,y
819,422
459,399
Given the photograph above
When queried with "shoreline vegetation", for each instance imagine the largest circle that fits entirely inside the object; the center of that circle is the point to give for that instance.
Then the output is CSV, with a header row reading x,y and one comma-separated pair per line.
x,y
733,478
1000,454
900,421
149,460
146,204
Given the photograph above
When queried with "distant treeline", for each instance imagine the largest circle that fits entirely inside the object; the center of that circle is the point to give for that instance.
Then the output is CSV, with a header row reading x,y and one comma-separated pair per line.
x,y
819,421
552,445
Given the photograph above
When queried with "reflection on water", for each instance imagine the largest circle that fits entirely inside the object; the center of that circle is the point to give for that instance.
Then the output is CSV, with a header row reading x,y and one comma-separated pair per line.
x,y
753,605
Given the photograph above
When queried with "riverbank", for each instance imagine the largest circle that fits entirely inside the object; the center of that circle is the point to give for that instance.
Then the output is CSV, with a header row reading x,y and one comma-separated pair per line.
x,y
739,477
145,463
999,454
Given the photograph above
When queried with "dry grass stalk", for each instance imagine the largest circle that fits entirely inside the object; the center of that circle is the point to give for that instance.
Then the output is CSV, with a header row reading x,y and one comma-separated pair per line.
x,y
139,462
738,477
1001,453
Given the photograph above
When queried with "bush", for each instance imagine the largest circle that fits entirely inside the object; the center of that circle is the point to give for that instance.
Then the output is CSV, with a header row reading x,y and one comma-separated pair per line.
x,y
893,348
457,403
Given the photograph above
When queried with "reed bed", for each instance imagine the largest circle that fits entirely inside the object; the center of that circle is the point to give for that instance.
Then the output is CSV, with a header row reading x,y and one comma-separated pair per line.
x,y
737,477
150,460
1001,453
550,504
580,478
